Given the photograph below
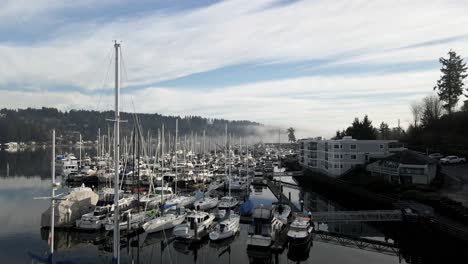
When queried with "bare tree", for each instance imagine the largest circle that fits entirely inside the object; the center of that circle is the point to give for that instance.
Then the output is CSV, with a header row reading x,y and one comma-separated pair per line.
x,y
417,112
432,110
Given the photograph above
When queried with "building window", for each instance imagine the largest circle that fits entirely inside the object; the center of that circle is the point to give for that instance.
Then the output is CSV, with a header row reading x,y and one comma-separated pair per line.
x,y
336,146
353,146
336,166
381,146
336,156
341,165
353,157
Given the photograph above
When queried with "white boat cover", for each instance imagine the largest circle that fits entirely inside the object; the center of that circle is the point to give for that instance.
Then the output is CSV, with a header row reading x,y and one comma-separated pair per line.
x,y
67,211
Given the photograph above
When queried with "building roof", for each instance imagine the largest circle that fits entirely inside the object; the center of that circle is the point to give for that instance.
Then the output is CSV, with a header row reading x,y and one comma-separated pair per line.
x,y
410,157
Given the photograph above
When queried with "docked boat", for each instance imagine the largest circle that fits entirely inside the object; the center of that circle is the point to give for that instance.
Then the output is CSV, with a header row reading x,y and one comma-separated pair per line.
x,y
104,208
281,212
129,220
65,164
206,203
263,229
182,201
300,231
228,202
226,228
246,208
166,221
197,226
160,195
96,219
239,184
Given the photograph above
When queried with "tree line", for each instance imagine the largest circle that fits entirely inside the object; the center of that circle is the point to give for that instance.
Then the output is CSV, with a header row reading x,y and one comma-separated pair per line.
x,y
24,125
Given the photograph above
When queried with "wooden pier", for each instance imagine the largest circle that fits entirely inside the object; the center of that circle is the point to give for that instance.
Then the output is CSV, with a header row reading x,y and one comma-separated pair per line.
x,y
276,189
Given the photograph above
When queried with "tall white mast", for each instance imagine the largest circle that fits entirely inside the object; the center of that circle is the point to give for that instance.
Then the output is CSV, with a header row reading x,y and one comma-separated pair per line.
x,y
52,212
225,156
230,159
80,152
176,134
116,255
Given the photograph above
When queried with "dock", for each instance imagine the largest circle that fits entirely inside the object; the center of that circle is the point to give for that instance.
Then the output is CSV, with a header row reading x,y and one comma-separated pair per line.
x,y
281,240
357,216
276,189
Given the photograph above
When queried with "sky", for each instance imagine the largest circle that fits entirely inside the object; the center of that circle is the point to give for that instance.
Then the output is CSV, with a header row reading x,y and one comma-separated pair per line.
x,y
313,65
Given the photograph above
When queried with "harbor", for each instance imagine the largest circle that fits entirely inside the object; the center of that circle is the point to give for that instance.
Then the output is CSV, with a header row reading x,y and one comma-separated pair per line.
x,y
161,247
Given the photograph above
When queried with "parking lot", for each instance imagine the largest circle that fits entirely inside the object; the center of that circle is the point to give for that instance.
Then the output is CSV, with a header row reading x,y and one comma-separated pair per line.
x,y
458,172
456,186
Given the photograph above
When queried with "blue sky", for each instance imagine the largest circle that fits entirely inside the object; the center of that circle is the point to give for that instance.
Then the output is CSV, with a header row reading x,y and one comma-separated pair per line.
x,y
313,65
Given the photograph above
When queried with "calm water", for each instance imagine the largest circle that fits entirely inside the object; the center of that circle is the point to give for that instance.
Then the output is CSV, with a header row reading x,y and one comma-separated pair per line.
x,y
21,237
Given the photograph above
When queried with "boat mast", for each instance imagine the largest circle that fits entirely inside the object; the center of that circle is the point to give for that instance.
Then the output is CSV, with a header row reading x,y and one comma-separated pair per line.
x,y
98,136
52,212
116,253
162,156
229,151
176,134
81,165
225,158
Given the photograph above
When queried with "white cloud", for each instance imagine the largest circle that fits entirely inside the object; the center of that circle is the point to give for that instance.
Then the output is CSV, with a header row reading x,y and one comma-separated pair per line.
x,y
160,46
314,105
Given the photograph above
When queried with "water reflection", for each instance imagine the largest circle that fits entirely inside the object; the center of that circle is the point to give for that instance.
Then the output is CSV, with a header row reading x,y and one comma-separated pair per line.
x,y
20,233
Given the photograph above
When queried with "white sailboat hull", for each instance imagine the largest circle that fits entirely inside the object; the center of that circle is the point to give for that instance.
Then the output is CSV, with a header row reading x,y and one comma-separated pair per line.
x,y
163,223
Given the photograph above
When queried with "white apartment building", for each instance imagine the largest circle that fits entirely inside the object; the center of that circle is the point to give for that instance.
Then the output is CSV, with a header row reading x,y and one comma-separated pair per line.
x,y
337,156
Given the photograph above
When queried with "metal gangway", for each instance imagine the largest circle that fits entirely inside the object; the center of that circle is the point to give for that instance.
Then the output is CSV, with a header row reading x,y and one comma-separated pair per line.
x,y
384,247
357,216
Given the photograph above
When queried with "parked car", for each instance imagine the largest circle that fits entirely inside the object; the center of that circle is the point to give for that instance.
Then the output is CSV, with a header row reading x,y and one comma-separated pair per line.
x,y
436,156
452,160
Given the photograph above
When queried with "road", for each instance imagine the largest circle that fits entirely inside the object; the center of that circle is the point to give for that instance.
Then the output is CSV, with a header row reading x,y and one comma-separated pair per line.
x,y
456,186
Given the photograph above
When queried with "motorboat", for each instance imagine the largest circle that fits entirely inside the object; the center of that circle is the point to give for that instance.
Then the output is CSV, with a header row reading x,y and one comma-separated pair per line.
x,y
96,219
166,221
197,226
226,228
104,208
300,231
281,212
263,229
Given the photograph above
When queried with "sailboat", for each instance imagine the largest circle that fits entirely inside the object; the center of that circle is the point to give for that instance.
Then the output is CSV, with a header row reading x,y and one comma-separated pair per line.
x,y
179,200
166,221
130,220
206,203
228,202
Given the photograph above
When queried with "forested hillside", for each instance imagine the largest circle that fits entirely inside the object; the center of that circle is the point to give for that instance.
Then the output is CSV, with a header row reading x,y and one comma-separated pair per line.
x,y
29,124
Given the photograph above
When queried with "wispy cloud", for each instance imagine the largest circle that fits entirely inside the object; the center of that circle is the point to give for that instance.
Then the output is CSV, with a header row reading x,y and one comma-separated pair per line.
x,y
348,57
317,105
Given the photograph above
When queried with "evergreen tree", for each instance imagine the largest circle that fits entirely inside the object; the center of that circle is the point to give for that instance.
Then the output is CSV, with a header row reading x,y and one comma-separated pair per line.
x,y
384,130
450,85
362,129
291,136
